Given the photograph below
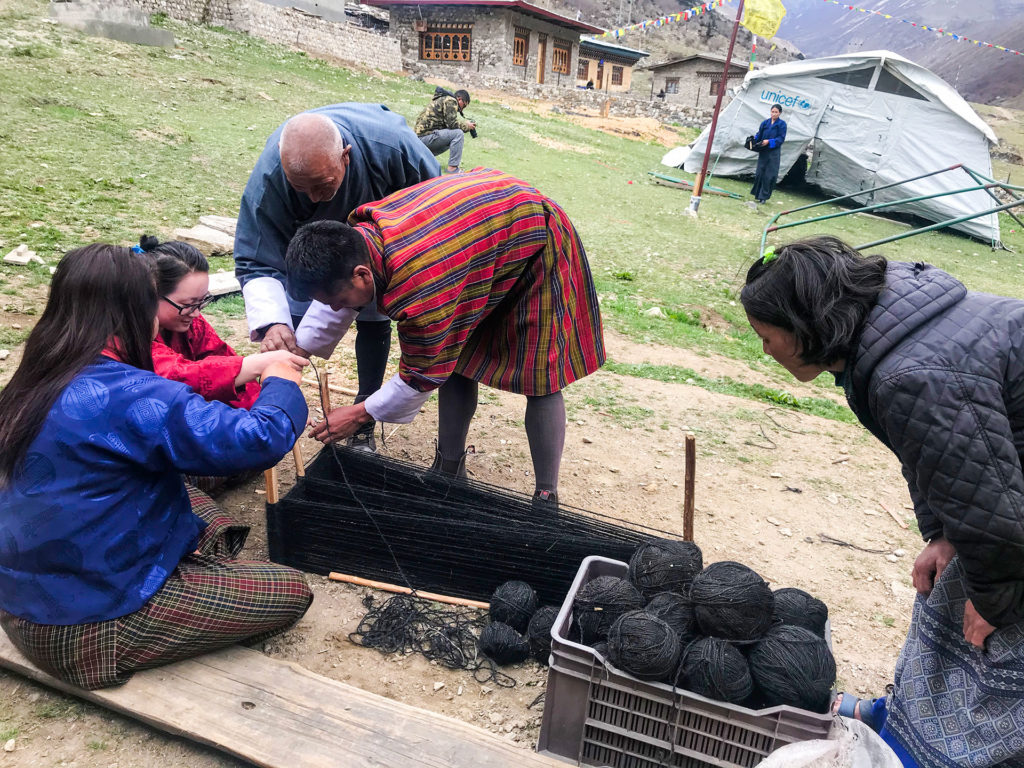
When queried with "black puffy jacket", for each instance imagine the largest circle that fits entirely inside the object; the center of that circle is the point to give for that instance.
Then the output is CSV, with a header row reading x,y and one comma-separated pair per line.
x,y
938,376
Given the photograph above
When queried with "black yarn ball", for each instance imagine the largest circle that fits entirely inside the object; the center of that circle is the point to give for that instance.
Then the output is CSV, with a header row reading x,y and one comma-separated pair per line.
x,y
664,565
643,645
676,611
792,665
796,607
503,644
715,668
600,602
538,632
513,603
732,602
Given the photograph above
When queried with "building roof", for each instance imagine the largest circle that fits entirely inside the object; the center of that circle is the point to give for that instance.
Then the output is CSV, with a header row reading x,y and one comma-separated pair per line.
x,y
712,57
516,5
630,54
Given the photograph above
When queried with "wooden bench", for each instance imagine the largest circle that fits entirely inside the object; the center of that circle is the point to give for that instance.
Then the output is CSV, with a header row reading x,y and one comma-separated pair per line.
x,y
279,715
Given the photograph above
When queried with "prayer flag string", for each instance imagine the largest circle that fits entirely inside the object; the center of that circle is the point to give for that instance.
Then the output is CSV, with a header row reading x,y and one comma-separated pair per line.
x,y
927,28
643,26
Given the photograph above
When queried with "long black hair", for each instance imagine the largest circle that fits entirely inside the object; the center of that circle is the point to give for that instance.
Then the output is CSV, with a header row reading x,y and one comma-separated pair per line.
x,y
100,295
820,290
172,261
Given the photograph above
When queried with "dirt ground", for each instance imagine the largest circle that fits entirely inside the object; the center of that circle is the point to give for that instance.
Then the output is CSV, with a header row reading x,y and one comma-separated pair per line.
x,y
768,483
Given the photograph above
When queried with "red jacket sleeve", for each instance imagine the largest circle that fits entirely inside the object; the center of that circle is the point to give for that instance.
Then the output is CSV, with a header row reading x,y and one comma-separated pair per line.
x,y
210,375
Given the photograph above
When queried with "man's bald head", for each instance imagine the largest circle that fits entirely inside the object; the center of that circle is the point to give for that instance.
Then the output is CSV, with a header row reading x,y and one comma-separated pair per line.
x,y
313,156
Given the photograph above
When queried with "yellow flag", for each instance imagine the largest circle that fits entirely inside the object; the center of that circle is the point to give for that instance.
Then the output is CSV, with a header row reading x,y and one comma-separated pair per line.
x,y
763,17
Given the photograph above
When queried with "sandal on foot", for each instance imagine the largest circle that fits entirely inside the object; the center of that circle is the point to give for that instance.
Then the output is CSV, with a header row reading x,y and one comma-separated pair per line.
x,y
859,709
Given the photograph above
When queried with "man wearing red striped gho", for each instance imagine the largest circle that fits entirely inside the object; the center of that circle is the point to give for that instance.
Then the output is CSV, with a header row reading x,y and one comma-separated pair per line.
x,y
488,282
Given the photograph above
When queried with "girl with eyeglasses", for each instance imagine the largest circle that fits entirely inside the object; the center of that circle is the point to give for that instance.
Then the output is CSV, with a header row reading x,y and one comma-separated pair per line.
x,y
186,348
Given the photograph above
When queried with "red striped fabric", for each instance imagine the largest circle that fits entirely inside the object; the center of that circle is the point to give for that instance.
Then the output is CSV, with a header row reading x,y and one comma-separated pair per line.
x,y
487,278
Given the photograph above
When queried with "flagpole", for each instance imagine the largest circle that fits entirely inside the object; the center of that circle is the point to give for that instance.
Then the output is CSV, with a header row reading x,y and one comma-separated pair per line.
x,y
698,186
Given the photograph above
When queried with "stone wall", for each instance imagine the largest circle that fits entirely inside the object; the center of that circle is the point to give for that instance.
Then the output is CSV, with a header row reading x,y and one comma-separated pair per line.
x,y
286,26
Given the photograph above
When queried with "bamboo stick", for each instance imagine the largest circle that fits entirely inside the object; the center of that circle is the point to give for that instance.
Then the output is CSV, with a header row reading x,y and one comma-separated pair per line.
x,y
892,514
325,393
349,579
334,388
270,479
300,464
688,487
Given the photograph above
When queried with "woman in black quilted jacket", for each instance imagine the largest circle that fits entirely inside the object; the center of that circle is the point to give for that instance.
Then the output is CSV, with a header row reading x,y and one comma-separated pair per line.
x,y
936,372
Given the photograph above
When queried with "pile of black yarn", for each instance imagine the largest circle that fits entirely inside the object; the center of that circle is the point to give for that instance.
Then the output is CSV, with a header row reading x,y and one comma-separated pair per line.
x,y
599,602
665,565
719,632
518,628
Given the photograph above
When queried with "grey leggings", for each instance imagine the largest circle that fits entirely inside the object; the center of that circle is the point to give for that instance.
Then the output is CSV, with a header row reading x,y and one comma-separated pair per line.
x,y
545,427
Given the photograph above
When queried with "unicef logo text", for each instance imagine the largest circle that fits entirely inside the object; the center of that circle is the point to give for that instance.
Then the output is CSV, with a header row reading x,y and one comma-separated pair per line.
x,y
777,97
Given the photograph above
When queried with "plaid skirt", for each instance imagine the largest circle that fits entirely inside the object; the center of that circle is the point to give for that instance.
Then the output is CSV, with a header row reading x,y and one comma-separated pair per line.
x,y
210,601
546,333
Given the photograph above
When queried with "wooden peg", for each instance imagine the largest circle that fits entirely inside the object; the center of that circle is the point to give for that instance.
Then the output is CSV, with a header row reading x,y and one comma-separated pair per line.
x,y
300,464
688,487
270,479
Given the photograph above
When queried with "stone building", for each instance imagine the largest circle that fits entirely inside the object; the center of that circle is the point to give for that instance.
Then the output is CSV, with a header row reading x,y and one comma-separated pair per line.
x,y
693,81
464,41
608,66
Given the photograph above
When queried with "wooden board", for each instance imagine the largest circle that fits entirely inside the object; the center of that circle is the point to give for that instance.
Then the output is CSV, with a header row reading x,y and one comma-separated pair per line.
x,y
279,715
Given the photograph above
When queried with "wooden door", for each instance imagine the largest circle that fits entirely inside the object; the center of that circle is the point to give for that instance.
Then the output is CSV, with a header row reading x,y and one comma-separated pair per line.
x,y
600,75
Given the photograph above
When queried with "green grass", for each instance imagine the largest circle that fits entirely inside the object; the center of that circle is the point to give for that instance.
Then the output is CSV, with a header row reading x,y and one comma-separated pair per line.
x,y
816,406
90,159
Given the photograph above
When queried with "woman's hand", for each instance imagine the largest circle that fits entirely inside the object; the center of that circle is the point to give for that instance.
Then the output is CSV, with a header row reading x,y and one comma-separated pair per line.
x,y
930,564
255,366
340,423
764,142
976,629
283,370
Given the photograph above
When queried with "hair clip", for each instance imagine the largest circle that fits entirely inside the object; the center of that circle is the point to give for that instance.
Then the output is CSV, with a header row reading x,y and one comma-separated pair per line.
x,y
136,250
769,255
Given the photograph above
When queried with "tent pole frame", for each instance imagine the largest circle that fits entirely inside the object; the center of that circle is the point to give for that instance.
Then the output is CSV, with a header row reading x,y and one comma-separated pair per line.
x,y
982,183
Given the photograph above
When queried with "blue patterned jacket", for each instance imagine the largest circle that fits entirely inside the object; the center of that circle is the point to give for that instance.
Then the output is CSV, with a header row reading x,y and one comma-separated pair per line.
x,y
97,515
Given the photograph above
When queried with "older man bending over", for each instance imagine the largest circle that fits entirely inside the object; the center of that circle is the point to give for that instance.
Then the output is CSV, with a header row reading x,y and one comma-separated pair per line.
x,y
321,164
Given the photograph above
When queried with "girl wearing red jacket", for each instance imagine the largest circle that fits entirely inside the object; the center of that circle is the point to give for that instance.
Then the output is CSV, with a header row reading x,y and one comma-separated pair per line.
x,y
186,347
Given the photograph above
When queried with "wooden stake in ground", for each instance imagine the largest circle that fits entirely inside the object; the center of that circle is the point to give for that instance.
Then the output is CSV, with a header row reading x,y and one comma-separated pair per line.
x,y
300,464
270,480
382,585
688,487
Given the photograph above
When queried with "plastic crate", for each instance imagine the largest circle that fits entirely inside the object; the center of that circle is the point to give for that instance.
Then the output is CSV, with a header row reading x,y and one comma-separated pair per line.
x,y
595,714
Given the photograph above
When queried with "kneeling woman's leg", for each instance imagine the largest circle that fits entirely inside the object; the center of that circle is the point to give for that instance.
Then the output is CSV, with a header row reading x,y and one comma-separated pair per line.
x,y
208,602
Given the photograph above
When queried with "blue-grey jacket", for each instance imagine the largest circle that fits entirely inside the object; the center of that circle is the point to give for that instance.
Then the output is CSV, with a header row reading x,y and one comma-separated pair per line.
x,y
385,157
938,376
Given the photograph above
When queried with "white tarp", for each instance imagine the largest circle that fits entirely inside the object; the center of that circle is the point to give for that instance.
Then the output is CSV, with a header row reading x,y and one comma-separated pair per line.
x,y
891,120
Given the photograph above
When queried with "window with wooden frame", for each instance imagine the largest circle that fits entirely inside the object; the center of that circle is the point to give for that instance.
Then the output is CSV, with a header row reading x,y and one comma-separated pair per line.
x,y
520,45
583,69
616,75
447,42
561,57
672,85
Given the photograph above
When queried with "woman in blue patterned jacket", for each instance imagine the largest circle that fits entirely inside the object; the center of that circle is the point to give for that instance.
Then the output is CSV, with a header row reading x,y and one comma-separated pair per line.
x,y
109,563
936,372
769,138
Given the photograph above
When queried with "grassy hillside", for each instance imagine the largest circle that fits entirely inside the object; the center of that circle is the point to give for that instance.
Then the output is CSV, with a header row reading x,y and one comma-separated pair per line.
x,y
103,141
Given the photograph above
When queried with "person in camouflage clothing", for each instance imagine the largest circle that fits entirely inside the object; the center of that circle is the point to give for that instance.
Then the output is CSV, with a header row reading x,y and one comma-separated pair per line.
x,y
440,125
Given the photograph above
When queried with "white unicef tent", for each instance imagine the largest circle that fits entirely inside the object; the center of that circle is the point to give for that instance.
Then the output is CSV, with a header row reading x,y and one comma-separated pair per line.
x,y
868,119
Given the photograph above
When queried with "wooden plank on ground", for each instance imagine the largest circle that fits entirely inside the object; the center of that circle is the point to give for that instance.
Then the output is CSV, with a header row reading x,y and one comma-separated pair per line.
x,y
279,715
206,239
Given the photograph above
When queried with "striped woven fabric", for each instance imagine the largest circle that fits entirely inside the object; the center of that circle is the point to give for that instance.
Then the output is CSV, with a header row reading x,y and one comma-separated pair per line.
x,y
487,278
210,601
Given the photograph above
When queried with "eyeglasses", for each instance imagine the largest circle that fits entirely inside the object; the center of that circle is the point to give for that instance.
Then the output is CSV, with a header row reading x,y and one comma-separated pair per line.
x,y
190,309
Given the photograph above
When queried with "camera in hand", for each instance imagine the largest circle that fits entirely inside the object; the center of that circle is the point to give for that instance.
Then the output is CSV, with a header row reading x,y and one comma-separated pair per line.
x,y
472,132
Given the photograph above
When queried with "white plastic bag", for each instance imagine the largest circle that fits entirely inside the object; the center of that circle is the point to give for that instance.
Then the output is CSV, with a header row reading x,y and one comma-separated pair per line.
x,y
851,744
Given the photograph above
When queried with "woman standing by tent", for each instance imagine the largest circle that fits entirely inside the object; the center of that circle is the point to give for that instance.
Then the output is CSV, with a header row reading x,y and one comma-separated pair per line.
x,y
769,138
